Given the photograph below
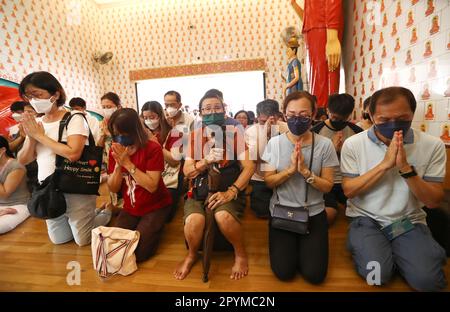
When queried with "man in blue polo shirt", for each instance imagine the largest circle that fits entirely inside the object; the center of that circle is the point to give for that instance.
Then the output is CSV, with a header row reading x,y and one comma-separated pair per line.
x,y
390,172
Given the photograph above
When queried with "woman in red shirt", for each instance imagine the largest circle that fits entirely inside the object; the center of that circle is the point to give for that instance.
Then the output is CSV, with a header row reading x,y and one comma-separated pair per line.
x,y
135,167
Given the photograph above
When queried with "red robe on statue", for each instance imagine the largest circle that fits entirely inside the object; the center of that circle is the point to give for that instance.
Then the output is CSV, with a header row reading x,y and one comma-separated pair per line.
x,y
320,15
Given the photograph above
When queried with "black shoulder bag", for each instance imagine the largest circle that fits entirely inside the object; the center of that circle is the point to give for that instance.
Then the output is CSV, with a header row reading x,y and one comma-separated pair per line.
x,y
81,176
293,219
47,200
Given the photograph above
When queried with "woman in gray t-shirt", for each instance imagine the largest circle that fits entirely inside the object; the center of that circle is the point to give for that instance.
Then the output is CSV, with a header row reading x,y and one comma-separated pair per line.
x,y
299,183
13,190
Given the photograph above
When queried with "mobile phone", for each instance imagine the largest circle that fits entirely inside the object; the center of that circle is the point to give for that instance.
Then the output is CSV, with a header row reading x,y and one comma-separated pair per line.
x,y
397,228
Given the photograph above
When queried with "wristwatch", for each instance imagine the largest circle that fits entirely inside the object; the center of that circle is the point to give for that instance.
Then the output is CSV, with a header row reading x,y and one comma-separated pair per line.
x,y
133,170
409,174
311,178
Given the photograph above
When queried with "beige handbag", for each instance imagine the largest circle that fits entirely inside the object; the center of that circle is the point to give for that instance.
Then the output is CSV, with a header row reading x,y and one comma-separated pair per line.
x,y
113,251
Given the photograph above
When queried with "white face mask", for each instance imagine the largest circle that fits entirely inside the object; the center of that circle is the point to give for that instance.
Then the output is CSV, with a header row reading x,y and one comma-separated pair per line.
x,y
42,106
172,111
107,112
17,117
152,123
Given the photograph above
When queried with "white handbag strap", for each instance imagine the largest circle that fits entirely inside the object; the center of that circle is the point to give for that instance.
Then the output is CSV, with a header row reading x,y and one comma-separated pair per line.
x,y
102,269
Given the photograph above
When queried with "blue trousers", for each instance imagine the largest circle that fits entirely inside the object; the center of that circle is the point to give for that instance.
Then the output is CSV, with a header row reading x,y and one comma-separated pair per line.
x,y
415,254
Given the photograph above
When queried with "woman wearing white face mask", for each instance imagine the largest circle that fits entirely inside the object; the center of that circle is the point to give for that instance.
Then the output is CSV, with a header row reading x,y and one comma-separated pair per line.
x,y
47,96
110,102
155,120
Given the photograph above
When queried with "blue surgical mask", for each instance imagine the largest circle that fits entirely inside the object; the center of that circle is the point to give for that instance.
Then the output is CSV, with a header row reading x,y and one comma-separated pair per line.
x,y
299,125
387,129
124,140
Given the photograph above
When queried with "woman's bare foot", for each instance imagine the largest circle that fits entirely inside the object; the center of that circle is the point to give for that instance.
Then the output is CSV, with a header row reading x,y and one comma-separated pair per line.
x,y
240,267
5,211
184,267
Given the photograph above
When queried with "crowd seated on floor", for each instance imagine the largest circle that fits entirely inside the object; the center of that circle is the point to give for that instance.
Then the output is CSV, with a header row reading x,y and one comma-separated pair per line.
x,y
298,172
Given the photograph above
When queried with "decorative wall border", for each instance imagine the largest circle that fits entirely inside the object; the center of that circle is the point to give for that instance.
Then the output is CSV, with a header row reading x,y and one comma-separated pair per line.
x,y
198,69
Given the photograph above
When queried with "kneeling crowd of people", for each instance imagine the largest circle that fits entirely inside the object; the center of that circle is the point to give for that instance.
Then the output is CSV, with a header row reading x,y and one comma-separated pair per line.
x,y
298,174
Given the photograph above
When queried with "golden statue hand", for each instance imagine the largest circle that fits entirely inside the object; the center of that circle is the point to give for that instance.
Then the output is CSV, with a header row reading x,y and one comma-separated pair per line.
x,y
333,49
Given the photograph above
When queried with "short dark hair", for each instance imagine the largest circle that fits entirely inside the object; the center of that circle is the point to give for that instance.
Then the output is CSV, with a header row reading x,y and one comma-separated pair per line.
x,y
296,95
175,93
342,104
4,143
209,96
17,106
46,81
243,111
267,107
113,97
77,101
213,93
366,103
390,94
126,120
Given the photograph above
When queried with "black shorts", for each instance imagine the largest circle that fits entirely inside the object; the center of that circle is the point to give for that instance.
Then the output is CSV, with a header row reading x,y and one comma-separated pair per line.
x,y
335,196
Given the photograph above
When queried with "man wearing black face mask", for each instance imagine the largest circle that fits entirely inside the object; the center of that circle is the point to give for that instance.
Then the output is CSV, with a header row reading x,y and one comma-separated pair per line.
x,y
337,128
390,172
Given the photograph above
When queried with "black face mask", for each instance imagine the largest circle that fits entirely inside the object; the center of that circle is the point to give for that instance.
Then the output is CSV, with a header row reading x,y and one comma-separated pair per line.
x,y
299,125
338,124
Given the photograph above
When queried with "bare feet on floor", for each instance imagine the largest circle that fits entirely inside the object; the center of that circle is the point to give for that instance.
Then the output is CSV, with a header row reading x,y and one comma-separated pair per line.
x,y
184,267
240,267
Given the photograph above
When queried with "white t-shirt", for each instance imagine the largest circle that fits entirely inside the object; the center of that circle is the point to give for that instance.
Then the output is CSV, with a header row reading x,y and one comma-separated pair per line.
x,y
45,157
94,125
256,139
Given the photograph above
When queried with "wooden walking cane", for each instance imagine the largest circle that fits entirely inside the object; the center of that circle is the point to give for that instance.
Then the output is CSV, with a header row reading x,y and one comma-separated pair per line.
x,y
210,221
